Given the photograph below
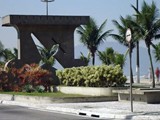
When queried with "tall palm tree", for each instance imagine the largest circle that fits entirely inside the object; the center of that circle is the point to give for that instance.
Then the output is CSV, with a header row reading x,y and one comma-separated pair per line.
x,y
122,28
121,36
149,27
91,36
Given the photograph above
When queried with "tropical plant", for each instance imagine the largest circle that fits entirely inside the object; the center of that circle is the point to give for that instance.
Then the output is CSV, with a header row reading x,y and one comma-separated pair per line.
x,y
85,59
7,54
119,59
47,55
107,56
1,46
91,36
156,52
122,27
110,57
148,26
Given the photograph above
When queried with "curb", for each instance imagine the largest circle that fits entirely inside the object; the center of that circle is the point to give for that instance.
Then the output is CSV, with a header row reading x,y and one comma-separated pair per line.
x,y
43,100
82,112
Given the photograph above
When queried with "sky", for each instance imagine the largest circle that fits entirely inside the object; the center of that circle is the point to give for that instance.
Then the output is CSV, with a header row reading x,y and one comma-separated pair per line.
x,y
100,10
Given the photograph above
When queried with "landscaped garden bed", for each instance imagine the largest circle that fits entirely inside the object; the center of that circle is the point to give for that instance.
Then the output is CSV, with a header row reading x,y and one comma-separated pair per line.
x,y
91,80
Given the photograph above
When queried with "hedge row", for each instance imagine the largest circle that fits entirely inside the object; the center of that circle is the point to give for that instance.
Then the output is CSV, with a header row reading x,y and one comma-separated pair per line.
x,y
92,76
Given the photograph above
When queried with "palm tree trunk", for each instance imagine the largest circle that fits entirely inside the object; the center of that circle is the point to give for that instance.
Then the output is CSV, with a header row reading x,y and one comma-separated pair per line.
x,y
130,55
93,58
150,58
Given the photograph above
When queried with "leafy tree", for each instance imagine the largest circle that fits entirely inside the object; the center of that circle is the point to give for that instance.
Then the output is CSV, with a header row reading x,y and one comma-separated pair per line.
x,y
91,36
149,26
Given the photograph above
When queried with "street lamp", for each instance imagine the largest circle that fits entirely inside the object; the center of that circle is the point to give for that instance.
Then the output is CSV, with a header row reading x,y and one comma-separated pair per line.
x,y
128,39
47,1
137,67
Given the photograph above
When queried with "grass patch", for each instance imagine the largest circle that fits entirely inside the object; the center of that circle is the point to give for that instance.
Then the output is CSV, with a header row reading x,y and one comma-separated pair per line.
x,y
45,94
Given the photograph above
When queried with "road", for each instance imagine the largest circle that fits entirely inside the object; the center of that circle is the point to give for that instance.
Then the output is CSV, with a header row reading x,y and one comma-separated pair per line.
x,y
8,112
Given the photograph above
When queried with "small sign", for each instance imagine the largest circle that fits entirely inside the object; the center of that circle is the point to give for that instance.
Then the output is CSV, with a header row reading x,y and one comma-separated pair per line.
x,y
128,35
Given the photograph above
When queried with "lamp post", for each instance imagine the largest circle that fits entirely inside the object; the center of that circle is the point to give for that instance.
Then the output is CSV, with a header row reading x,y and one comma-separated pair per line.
x,y
47,1
128,39
137,66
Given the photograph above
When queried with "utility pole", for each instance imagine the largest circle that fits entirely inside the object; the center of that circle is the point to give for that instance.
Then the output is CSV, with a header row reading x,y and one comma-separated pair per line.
x,y
137,66
47,1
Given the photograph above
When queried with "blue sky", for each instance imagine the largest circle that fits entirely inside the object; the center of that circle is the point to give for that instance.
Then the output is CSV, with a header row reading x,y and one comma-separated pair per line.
x,y
100,10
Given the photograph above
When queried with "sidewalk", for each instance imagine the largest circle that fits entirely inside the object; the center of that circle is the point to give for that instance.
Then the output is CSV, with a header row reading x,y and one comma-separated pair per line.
x,y
101,110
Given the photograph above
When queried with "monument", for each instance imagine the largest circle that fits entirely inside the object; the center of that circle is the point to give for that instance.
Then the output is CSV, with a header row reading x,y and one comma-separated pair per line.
x,y
49,30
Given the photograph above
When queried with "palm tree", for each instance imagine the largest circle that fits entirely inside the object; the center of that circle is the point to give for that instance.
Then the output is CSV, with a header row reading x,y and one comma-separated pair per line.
x,y
157,52
149,26
85,59
110,57
122,27
1,46
91,36
47,55
107,56
7,57
119,59
7,54
47,62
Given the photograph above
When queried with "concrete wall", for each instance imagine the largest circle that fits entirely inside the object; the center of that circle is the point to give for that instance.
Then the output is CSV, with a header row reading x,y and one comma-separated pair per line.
x,y
92,91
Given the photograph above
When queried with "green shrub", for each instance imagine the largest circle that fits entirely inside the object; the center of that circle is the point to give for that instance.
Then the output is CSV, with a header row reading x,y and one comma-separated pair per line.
x,y
28,88
92,76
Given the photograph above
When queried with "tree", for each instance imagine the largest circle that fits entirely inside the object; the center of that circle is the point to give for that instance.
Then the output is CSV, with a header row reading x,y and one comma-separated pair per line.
x,y
107,56
110,57
120,59
85,59
47,55
149,26
7,54
92,36
157,52
48,60
122,27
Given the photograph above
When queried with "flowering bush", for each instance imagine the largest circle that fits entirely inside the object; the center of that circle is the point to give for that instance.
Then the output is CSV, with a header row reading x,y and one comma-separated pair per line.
x,y
92,76
28,75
